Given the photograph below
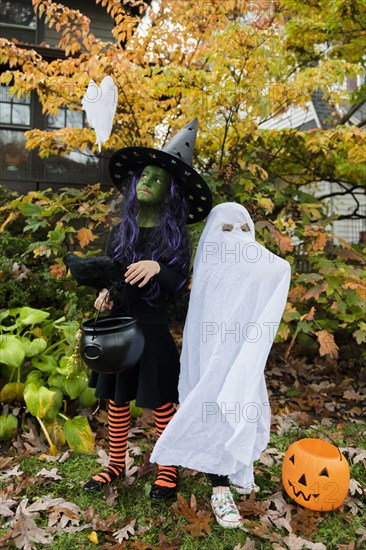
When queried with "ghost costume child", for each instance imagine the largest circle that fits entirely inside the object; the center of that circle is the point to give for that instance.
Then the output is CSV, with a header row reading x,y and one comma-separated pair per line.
x,y
239,292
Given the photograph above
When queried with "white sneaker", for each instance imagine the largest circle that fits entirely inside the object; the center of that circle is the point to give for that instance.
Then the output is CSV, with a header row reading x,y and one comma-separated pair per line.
x,y
247,489
225,510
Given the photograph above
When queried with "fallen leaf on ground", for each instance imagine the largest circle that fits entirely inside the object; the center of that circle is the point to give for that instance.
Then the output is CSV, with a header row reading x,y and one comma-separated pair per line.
x,y
125,532
356,454
65,456
355,505
134,432
43,457
64,513
25,531
298,543
271,456
198,520
49,474
30,441
354,396
105,525
11,472
167,544
93,537
130,469
5,507
103,458
110,494
142,529
248,545
355,487
361,531
262,531
146,466
5,463
306,521
135,450
249,505
164,544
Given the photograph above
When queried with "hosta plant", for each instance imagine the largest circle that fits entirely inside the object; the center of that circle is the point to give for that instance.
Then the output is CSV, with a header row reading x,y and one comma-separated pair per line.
x,y
40,365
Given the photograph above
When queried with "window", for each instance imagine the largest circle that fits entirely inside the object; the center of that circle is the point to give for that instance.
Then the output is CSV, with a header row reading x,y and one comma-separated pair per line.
x,y
19,165
75,167
14,111
15,117
14,158
66,118
19,12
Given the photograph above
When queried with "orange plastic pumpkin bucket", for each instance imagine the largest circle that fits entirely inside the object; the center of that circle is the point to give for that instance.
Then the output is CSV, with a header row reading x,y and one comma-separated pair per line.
x,y
315,474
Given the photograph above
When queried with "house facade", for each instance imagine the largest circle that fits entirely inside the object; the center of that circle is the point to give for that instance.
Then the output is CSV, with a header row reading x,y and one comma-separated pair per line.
x,y
23,170
319,114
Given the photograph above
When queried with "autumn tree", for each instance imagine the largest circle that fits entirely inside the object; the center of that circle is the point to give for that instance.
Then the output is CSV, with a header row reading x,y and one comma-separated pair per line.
x,y
235,64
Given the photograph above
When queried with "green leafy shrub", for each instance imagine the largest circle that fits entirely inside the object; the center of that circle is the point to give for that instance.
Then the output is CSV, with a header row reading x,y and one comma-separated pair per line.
x,y
36,231
41,367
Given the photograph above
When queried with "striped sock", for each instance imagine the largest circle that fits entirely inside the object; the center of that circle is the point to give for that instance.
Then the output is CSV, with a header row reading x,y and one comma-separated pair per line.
x,y
167,475
118,425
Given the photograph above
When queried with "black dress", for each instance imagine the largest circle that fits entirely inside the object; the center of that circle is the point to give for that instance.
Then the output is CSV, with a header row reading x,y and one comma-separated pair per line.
x,y
153,381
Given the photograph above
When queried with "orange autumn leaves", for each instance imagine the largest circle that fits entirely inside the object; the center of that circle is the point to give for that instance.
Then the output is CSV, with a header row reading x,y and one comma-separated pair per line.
x,y
84,237
327,344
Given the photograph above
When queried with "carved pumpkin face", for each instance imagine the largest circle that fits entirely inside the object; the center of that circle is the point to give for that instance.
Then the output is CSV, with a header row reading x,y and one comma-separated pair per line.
x,y
315,474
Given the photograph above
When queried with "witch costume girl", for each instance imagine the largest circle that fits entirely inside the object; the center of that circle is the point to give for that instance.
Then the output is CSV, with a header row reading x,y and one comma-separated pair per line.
x,y
239,292
162,193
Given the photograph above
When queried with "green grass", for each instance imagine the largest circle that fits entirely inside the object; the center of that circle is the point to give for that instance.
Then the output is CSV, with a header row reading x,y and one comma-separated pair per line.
x,y
134,503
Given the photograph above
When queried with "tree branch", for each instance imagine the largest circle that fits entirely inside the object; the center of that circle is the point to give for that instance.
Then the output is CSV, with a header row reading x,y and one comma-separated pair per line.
x,y
337,193
351,111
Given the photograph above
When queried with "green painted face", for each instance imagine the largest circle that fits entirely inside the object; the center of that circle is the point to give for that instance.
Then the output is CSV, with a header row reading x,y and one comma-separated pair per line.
x,y
153,185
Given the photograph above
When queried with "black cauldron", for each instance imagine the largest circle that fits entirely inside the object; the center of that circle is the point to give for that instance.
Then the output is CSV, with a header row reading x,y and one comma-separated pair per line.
x,y
111,344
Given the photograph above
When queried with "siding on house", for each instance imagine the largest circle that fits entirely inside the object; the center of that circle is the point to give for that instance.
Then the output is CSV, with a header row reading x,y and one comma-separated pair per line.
x,y
348,230
294,117
101,23
320,117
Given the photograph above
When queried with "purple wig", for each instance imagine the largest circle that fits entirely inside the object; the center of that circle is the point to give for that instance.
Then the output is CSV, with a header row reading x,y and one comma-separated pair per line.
x,y
169,241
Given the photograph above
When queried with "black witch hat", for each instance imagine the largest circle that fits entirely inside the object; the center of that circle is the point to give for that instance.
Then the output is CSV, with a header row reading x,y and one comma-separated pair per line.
x,y
175,157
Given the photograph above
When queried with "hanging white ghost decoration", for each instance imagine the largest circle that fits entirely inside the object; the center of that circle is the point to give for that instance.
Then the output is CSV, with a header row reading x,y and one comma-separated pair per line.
x,y
100,104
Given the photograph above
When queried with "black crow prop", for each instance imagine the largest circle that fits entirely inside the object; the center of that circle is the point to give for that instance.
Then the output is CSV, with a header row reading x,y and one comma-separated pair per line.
x,y
96,271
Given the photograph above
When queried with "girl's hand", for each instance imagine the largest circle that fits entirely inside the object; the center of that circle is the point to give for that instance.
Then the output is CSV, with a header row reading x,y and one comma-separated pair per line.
x,y
101,304
144,269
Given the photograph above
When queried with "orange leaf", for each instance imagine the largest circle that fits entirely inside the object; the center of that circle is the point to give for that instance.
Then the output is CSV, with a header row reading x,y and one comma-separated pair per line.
x,y
315,292
327,344
85,236
57,270
12,216
198,521
284,242
319,243
308,316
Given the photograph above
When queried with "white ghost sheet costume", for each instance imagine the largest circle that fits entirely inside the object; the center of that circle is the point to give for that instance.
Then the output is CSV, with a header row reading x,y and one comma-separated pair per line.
x,y
239,292
100,104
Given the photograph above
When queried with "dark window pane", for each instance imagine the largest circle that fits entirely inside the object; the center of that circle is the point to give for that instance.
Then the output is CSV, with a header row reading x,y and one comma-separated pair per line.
x,y
74,119
23,99
21,115
14,159
8,97
73,168
14,110
5,94
56,121
5,113
18,12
